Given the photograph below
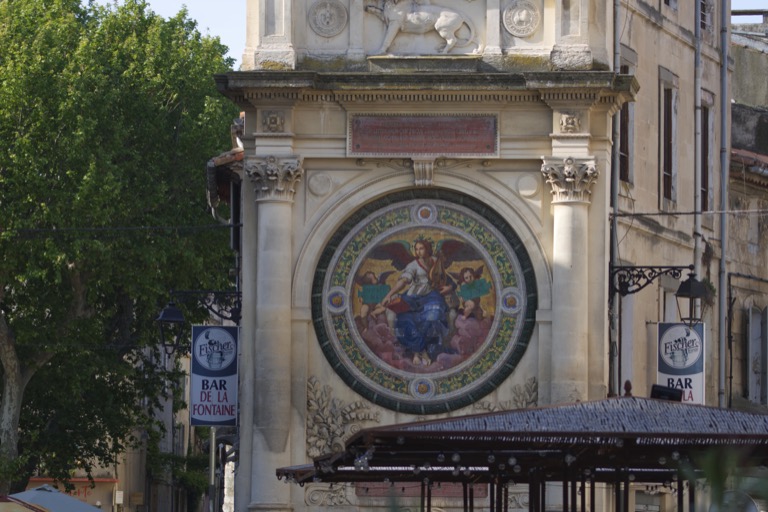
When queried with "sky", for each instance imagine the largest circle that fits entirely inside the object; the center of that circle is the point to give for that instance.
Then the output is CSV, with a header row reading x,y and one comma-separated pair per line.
x,y
223,18
226,18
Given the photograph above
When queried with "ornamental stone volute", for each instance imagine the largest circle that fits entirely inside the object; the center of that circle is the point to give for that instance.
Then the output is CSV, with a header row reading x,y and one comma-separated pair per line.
x,y
571,178
274,177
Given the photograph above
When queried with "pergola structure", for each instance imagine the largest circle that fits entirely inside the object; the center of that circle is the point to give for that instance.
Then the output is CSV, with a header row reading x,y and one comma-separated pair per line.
x,y
613,441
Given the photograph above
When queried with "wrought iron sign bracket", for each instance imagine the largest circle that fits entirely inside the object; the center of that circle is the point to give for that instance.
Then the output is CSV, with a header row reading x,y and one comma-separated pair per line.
x,y
224,305
631,279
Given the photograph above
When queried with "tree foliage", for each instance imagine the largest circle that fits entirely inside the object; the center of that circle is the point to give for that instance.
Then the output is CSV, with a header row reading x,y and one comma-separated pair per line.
x,y
107,118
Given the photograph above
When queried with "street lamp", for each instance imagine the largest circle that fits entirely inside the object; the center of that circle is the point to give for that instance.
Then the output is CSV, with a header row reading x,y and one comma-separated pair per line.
x,y
224,305
691,289
629,279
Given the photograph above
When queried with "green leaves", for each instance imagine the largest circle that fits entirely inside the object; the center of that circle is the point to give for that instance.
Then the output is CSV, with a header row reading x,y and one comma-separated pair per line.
x,y
108,116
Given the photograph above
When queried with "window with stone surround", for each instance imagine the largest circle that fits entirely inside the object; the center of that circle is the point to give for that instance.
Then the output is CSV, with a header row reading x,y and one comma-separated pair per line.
x,y
706,160
625,128
756,355
672,4
705,21
668,87
627,120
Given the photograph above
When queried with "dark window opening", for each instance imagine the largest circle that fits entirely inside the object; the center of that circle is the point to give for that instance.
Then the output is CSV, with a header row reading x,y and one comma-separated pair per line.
x,y
704,159
667,145
624,136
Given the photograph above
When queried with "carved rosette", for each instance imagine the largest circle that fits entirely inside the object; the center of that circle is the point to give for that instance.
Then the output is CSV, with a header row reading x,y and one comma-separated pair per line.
x,y
570,122
327,18
571,178
521,18
273,121
274,177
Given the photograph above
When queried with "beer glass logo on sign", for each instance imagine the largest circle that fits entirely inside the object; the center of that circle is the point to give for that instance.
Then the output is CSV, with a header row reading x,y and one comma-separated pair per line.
x,y
680,347
214,349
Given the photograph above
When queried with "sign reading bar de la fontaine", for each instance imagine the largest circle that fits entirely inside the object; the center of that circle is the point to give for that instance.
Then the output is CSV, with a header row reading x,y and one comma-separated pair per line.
x,y
213,399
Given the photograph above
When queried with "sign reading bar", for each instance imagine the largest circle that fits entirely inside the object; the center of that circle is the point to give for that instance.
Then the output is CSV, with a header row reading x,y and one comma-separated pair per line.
x,y
469,135
213,389
681,360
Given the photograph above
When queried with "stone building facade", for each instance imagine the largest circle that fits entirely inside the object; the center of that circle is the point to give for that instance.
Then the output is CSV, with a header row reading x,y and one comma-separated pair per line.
x,y
747,285
426,200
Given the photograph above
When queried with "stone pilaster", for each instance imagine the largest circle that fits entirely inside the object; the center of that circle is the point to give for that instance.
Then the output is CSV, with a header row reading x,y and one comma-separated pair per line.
x,y
269,35
274,179
572,49
571,180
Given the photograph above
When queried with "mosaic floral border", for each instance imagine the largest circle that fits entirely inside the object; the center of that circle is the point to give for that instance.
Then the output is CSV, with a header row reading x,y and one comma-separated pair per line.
x,y
514,319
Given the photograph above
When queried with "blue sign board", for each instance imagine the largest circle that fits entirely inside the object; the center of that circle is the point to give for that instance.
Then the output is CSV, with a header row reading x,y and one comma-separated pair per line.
x,y
681,359
213,390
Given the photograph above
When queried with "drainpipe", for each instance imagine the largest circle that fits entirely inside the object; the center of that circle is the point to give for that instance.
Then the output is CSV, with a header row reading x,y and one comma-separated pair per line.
x,y
613,354
725,106
697,150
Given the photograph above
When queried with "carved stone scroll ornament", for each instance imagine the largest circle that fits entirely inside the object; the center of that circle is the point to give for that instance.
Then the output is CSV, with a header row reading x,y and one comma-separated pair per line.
x,y
322,495
571,179
518,500
524,396
330,421
274,177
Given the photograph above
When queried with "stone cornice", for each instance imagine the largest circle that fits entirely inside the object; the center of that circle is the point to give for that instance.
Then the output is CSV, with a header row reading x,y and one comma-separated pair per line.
x,y
247,87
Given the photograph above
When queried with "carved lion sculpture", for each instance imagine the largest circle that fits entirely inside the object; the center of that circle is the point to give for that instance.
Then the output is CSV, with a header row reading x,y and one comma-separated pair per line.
x,y
414,17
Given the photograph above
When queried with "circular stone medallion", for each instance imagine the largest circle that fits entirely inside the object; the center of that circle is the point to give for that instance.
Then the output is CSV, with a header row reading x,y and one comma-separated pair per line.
x,y
522,18
328,17
424,303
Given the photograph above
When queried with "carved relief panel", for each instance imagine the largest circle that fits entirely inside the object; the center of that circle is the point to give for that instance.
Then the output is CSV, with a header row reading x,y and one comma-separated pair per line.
x,y
421,27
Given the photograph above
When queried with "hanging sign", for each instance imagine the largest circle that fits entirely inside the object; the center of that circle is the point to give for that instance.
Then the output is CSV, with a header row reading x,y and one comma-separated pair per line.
x,y
213,400
681,360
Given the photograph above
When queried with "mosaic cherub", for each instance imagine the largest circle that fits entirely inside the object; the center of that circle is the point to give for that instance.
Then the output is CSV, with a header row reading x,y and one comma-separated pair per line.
x,y
372,291
472,287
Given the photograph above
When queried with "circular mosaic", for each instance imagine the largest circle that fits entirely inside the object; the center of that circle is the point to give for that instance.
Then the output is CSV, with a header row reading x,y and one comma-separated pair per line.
x,y
424,303
328,17
521,18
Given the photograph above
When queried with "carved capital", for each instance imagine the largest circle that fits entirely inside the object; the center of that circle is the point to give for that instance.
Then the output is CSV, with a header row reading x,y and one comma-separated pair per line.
x,y
571,179
274,177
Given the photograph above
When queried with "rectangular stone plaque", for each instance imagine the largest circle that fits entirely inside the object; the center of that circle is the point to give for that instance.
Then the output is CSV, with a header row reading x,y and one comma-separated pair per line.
x,y
400,135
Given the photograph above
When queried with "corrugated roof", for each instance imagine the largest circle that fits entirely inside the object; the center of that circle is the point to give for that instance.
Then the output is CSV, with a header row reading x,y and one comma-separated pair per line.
x,y
607,439
613,416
